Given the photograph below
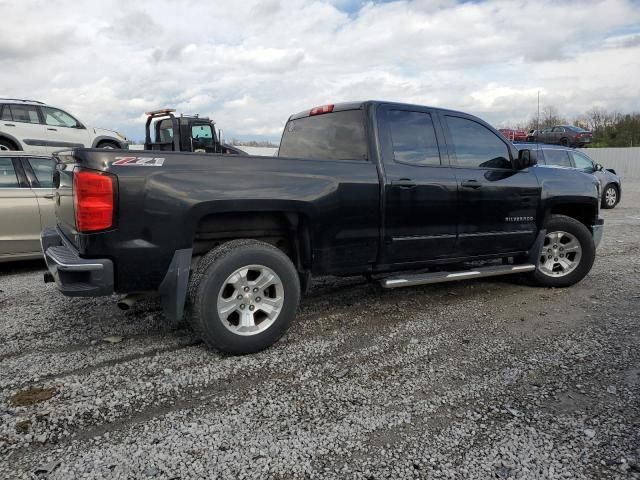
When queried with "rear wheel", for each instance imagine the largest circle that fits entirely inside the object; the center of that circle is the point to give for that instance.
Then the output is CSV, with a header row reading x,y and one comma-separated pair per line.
x,y
567,253
610,196
6,145
243,296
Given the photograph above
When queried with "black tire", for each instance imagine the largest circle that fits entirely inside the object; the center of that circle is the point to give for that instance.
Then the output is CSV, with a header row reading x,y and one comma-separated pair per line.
x,y
7,145
107,144
562,223
210,276
615,192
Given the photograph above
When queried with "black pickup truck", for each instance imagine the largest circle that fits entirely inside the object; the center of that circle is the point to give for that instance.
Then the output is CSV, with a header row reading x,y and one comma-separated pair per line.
x,y
404,194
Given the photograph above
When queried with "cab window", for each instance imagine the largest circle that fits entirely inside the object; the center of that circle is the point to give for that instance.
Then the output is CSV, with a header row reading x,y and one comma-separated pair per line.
x,y
202,135
330,136
477,146
413,137
557,157
582,162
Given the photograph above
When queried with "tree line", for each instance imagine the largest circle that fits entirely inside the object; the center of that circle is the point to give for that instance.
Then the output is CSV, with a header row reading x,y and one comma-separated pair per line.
x,y
610,129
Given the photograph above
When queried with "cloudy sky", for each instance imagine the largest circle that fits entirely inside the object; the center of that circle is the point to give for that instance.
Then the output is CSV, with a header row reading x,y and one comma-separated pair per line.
x,y
249,64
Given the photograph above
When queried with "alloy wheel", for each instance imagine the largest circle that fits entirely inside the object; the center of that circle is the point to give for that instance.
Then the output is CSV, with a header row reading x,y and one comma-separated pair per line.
x,y
250,300
561,254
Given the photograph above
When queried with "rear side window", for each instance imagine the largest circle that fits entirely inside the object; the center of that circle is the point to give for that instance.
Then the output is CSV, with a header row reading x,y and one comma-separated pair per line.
x,y
413,137
25,113
557,157
5,113
8,178
165,131
43,170
477,146
331,136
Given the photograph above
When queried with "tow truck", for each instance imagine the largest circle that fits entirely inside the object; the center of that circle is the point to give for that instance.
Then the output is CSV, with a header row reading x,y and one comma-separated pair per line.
x,y
186,133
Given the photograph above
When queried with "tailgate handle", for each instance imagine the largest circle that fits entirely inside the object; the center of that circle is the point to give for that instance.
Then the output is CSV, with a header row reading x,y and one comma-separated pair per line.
x,y
471,184
405,183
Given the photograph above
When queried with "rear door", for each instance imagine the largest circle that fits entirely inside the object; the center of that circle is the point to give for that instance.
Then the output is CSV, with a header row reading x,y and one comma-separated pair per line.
x,y
497,204
25,125
19,214
39,172
420,191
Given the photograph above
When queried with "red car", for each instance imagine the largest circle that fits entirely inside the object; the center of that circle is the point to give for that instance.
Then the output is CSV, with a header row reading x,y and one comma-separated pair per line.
x,y
514,135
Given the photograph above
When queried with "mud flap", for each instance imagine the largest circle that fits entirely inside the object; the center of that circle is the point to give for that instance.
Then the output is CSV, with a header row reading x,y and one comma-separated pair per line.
x,y
173,289
533,256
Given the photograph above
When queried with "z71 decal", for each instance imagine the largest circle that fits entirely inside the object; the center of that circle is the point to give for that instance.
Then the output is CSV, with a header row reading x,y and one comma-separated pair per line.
x,y
140,161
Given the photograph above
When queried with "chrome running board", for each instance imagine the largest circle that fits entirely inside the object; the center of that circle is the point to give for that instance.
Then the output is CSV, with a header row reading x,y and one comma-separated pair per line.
x,y
441,277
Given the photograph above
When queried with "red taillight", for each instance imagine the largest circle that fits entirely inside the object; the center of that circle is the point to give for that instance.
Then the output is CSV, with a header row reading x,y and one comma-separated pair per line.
x,y
93,200
320,110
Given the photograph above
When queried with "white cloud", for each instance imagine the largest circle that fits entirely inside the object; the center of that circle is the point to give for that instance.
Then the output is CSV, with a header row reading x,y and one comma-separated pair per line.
x,y
251,64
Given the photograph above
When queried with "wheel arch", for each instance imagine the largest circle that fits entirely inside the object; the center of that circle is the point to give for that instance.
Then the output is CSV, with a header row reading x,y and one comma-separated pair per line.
x,y
11,139
104,139
286,230
585,213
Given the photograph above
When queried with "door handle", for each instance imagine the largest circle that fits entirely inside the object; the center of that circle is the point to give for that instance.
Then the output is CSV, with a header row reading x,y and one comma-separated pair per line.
x,y
471,184
53,129
405,183
9,124
48,196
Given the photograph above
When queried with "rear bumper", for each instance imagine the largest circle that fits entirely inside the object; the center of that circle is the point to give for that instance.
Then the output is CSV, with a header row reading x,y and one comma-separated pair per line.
x,y
597,229
75,276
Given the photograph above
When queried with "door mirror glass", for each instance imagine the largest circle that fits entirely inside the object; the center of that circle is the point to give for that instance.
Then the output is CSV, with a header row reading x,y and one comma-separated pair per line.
x,y
527,158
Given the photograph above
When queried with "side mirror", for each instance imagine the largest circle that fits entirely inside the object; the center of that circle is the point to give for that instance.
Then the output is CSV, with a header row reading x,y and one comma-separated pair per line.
x,y
526,159
598,168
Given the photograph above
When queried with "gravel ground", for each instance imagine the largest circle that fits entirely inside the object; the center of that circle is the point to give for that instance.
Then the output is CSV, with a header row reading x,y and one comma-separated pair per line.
x,y
478,379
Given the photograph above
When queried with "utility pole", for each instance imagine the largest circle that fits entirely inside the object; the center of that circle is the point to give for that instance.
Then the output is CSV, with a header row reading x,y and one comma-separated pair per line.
x,y
538,120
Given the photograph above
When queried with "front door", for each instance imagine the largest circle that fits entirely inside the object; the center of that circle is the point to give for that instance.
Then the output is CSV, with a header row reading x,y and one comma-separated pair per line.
x,y
19,214
63,131
420,214
497,203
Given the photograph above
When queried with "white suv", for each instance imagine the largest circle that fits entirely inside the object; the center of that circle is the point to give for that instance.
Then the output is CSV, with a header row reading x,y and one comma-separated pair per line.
x,y
35,127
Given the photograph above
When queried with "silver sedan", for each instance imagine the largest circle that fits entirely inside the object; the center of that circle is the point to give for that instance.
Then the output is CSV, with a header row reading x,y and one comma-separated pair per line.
x,y
26,203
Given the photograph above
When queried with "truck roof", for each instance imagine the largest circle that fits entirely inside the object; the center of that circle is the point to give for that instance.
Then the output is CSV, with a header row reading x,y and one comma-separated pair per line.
x,y
337,107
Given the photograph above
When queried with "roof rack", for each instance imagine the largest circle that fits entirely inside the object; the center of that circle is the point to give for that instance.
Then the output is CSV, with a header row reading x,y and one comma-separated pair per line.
x,y
22,100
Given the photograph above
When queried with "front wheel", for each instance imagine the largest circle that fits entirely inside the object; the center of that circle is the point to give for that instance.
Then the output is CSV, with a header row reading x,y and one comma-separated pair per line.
x,y
243,296
610,196
567,254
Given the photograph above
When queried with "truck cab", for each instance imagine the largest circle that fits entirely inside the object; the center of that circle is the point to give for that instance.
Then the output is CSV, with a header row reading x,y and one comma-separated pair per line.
x,y
183,134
